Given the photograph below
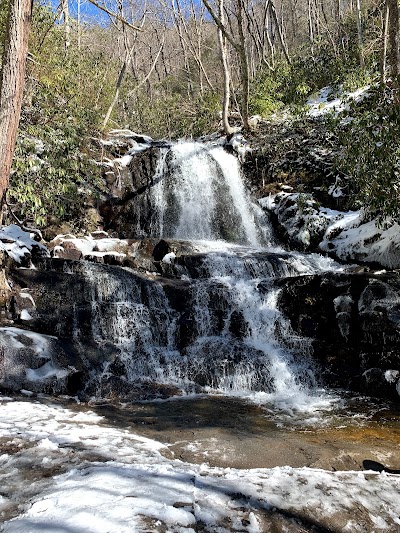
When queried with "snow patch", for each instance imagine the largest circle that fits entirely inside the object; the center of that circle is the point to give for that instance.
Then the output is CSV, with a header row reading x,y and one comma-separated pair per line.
x,y
344,234
25,315
18,244
323,103
20,338
48,370
392,376
363,241
169,258
128,485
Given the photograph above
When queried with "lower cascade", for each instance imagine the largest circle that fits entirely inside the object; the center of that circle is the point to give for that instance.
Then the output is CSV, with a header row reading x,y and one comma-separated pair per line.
x,y
200,315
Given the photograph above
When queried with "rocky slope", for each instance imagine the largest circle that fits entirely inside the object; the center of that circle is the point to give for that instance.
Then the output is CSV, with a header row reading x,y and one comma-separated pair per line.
x,y
52,314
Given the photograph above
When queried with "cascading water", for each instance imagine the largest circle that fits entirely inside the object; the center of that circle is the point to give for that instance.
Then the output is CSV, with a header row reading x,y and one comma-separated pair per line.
x,y
202,197
229,336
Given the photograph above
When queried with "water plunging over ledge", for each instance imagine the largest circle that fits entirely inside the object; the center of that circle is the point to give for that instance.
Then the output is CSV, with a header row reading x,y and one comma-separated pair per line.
x,y
228,336
205,324
199,195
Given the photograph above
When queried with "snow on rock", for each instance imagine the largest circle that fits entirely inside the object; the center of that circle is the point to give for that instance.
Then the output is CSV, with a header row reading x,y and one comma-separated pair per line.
x,y
325,102
31,359
128,134
48,370
239,145
342,234
352,239
90,247
96,478
126,141
25,315
19,244
169,258
299,215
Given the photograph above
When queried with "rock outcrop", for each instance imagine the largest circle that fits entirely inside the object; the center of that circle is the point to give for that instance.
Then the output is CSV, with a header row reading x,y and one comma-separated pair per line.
x,y
354,323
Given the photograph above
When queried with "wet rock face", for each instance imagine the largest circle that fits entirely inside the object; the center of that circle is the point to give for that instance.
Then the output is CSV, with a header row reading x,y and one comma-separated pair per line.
x,y
354,321
129,210
92,329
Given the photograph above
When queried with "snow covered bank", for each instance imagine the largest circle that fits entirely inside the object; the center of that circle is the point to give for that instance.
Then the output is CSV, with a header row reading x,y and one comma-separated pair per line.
x,y
326,101
343,234
67,470
19,244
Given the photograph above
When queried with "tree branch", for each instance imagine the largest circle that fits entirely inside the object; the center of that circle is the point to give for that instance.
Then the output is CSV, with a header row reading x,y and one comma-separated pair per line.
x,y
220,25
115,15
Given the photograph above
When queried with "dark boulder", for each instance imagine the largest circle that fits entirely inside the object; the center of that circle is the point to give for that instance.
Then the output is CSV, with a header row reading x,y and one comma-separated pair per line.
x,y
353,321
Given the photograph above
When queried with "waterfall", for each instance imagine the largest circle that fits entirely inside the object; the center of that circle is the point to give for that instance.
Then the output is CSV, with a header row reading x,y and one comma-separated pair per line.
x,y
201,196
224,332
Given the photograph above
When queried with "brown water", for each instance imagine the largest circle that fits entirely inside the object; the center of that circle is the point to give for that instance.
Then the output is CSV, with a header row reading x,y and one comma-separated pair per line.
x,y
230,432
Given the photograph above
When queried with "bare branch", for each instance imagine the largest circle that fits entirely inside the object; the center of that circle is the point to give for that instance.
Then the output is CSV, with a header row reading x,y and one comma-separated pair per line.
x,y
115,15
143,81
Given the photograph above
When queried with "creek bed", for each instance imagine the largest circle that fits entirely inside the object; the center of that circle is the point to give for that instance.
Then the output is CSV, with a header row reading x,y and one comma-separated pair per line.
x,y
231,432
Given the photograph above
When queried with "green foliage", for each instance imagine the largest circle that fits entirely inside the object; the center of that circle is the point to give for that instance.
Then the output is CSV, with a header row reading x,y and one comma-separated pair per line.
x,y
77,85
52,178
371,153
266,92
292,85
65,99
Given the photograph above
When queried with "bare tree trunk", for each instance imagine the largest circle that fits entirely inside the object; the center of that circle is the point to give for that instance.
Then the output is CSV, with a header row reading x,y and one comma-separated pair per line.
x,y
67,25
179,28
79,24
384,43
268,27
280,34
244,68
225,70
360,36
12,84
240,49
310,27
116,94
394,52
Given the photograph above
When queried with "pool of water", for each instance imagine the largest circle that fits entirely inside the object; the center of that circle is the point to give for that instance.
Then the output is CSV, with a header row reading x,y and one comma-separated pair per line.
x,y
223,431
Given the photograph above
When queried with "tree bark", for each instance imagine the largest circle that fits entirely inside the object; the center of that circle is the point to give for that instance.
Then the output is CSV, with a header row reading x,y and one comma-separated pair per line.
x,y
394,52
116,94
280,34
12,84
67,24
244,68
384,43
240,48
226,74
360,36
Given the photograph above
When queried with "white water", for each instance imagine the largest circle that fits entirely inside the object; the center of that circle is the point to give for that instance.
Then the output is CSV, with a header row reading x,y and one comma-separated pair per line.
x,y
236,342
275,365
203,196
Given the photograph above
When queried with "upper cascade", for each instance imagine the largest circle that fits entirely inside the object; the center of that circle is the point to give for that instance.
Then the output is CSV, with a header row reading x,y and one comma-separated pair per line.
x,y
199,194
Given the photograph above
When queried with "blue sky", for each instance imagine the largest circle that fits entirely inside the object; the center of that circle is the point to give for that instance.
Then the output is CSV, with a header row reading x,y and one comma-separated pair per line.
x,y
89,12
